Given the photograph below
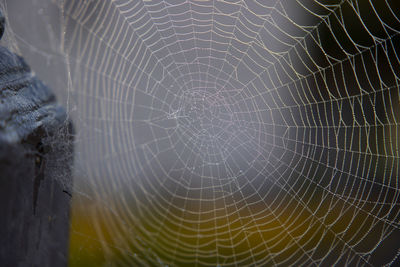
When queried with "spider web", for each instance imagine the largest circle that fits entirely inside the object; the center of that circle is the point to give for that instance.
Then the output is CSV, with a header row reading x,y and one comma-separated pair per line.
x,y
236,132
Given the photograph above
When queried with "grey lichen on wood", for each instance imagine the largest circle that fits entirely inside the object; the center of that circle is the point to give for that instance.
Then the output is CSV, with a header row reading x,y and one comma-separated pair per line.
x,y
35,168
2,23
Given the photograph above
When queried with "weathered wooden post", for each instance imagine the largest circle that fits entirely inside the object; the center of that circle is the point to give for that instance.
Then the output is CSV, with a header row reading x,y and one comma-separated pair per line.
x,y
35,168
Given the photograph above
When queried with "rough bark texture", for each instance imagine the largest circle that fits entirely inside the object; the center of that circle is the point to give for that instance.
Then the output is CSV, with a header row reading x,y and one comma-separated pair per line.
x,y
35,168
